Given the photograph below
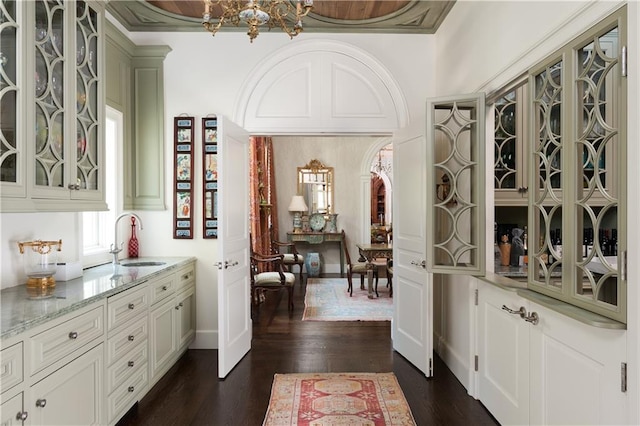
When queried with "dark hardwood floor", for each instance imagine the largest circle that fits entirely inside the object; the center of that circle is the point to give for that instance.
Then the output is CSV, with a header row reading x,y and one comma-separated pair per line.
x,y
191,393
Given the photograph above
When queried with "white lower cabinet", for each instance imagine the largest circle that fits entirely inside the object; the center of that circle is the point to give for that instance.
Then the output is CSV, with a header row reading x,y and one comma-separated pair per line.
x,y
127,375
172,323
164,338
186,317
73,394
90,366
554,371
503,356
12,411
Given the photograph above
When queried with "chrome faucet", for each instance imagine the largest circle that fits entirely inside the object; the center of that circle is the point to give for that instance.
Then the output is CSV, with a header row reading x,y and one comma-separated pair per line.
x,y
115,249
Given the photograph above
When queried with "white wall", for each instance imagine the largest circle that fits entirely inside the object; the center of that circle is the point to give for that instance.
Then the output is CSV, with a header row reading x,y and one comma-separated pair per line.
x,y
18,227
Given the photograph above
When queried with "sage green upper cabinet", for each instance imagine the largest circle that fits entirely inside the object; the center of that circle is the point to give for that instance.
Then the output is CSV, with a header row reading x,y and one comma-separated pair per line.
x,y
510,161
577,208
53,111
456,141
135,87
576,115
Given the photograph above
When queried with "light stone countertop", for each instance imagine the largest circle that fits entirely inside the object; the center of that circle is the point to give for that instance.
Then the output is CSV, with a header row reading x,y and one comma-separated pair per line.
x,y
20,311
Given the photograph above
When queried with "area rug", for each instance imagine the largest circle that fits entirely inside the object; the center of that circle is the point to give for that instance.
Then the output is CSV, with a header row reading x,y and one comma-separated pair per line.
x,y
323,399
327,299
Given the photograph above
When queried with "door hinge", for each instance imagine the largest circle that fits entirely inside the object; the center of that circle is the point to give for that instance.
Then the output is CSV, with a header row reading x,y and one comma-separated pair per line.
x,y
476,296
623,377
430,367
623,60
476,362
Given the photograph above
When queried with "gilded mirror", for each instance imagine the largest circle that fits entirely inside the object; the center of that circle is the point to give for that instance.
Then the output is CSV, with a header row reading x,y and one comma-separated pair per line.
x,y
315,184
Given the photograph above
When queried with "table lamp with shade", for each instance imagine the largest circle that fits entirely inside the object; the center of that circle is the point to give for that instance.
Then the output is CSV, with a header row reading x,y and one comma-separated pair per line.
x,y
297,206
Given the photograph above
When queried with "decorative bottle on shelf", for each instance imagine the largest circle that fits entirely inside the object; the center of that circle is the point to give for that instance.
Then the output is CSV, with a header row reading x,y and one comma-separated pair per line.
x,y
133,241
505,250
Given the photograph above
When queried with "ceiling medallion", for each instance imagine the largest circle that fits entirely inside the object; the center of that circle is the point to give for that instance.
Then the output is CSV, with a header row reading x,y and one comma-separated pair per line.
x,y
254,13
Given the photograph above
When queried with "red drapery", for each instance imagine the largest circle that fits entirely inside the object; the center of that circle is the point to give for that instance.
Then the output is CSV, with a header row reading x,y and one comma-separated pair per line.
x,y
264,202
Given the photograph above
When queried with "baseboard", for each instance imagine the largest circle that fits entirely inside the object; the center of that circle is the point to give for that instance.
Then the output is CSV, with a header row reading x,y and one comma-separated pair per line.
x,y
456,364
205,339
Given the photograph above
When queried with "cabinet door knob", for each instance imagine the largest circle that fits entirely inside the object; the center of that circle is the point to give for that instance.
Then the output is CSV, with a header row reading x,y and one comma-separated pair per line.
x,y
130,337
73,335
130,363
177,307
131,306
41,403
22,416
180,304
164,288
130,389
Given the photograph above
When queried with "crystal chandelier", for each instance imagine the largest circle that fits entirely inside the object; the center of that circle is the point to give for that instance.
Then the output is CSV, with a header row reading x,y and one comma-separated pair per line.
x,y
384,164
273,13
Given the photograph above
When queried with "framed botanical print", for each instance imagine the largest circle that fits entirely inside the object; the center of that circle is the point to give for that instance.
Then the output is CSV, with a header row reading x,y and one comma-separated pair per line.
x,y
183,177
210,176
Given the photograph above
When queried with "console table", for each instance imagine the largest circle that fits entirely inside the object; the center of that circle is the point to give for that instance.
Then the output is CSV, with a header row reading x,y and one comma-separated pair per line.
x,y
319,238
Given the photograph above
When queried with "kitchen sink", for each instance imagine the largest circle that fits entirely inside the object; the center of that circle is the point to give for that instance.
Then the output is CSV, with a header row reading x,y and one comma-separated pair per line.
x,y
135,264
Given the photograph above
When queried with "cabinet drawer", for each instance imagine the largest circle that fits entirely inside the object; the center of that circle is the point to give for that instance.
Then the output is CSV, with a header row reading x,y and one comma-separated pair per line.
x,y
11,371
162,288
61,340
186,275
127,394
124,341
127,366
125,306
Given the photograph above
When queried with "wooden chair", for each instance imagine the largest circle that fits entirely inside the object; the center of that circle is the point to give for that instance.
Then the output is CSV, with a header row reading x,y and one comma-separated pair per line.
x,y
291,257
355,268
274,279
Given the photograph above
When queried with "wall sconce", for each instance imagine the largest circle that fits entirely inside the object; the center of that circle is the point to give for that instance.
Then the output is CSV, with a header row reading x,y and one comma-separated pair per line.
x,y
297,206
443,190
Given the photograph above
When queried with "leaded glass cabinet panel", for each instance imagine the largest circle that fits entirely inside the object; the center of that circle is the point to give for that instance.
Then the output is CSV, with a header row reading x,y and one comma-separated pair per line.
x,y
578,101
546,257
510,148
51,160
455,193
88,114
12,155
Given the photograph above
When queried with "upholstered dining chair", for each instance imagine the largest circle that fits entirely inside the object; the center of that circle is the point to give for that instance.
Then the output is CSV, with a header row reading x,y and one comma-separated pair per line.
x,y
355,268
291,257
274,279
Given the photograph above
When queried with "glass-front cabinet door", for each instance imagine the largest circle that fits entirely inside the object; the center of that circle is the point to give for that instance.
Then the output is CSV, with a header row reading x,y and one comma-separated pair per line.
x,y
51,161
510,148
12,154
63,117
579,145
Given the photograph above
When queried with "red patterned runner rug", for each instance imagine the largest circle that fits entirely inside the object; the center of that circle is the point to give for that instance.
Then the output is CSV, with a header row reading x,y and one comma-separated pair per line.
x,y
323,399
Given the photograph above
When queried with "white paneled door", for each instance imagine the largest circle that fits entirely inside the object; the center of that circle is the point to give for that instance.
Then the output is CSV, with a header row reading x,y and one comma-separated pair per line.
x,y
412,328
234,308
